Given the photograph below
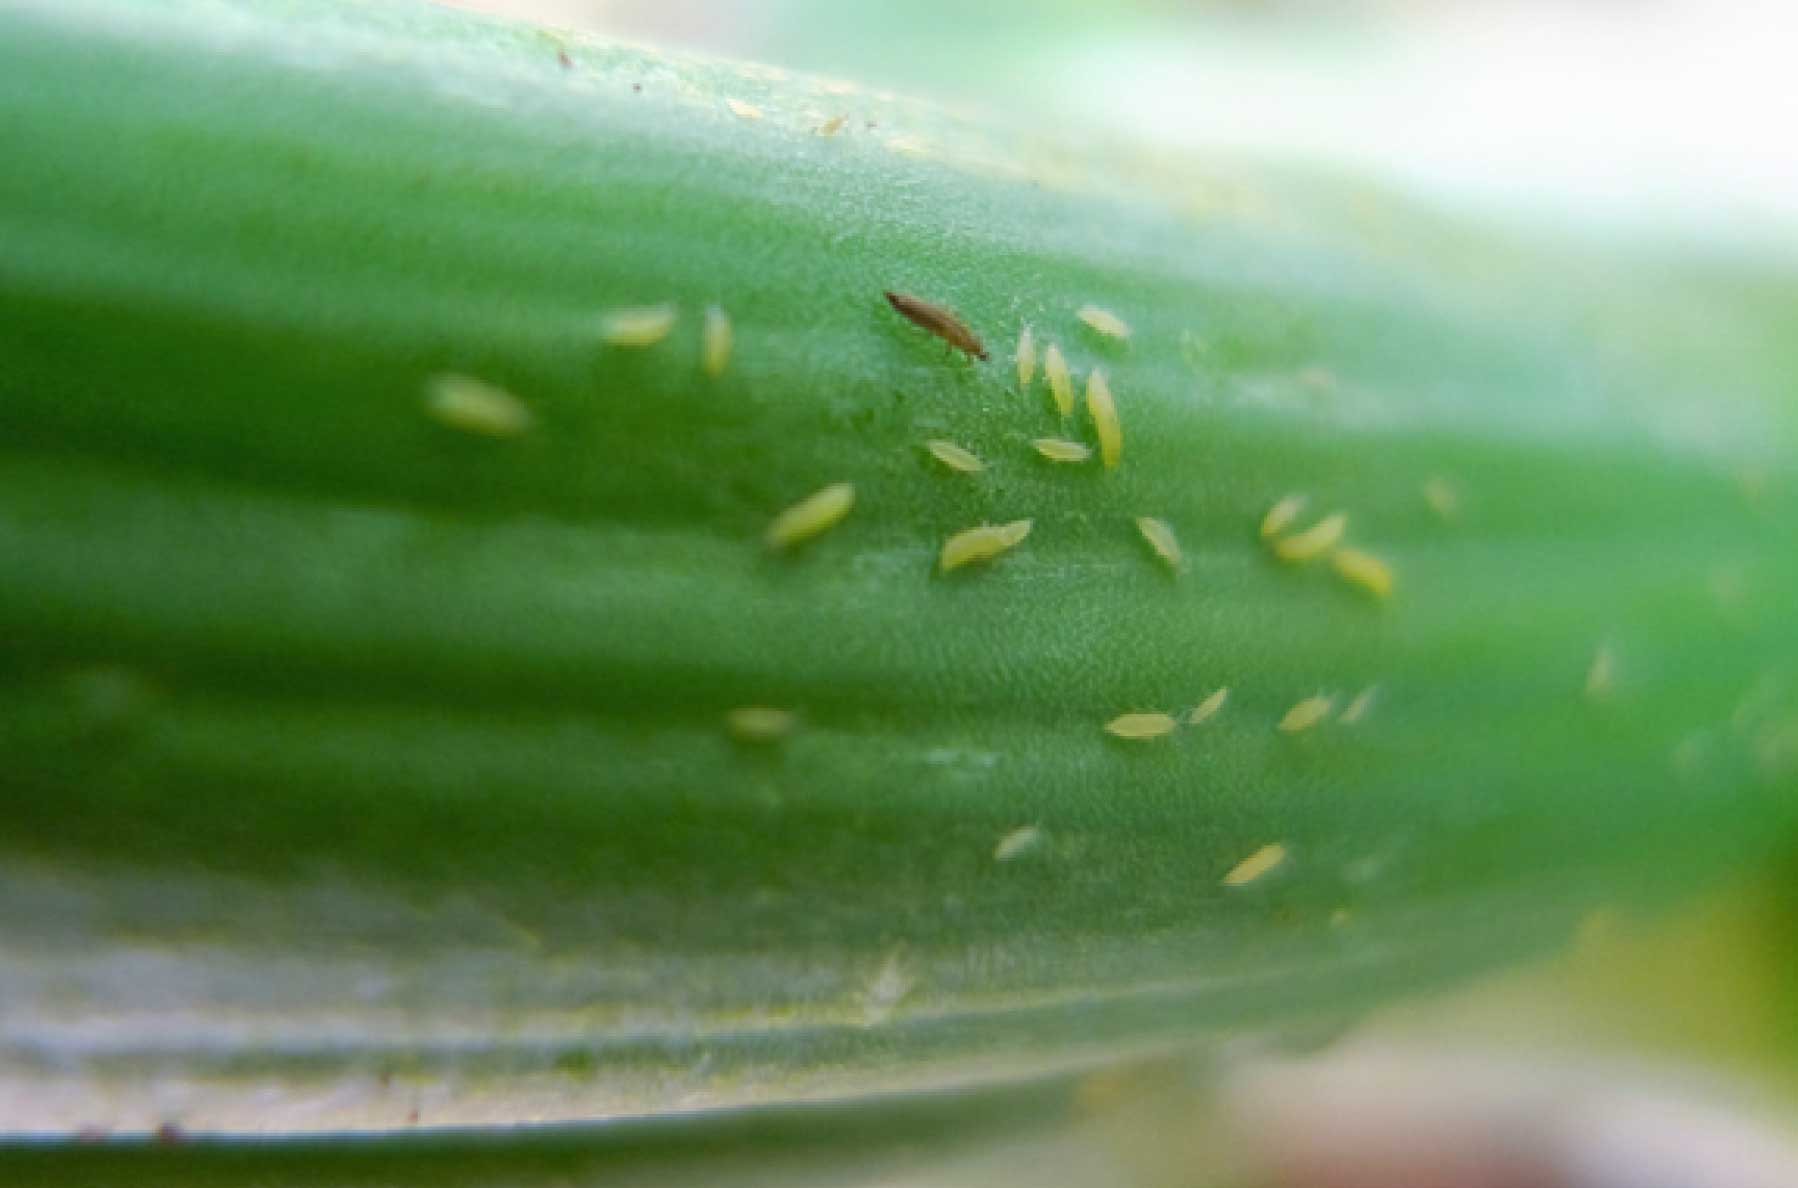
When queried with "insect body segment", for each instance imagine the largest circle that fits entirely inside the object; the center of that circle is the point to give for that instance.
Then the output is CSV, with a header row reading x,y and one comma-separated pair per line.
x,y
714,351
981,544
1103,322
1059,449
1363,569
955,457
1160,537
1104,413
938,321
1306,714
1141,726
465,403
637,326
816,513
758,723
1255,865
1208,707
1314,541
1281,515
1061,381
1017,843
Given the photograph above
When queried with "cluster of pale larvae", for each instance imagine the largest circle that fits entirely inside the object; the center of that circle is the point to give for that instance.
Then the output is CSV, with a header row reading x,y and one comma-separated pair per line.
x,y
474,406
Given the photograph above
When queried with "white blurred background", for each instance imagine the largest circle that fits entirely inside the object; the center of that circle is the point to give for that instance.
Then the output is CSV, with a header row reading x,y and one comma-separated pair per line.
x,y
1671,119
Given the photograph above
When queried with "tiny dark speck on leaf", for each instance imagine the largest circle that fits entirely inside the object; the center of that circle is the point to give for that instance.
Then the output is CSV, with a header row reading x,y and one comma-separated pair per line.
x,y
637,88
562,57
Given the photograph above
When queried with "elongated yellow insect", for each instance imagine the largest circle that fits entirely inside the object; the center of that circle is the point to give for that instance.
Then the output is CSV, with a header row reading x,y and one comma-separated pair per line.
x,y
1281,515
1161,539
954,457
743,110
1017,843
1104,412
1306,714
833,125
1103,321
1442,497
1255,865
637,326
1314,541
1026,358
1364,570
714,341
816,513
1357,709
1138,727
1061,382
1208,707
1602,673
1060,449
475,406
759,723
938,321
981,544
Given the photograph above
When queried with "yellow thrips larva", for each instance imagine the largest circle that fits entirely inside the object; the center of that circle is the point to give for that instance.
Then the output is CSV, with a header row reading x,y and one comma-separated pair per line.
x,y
1314,541
1061,383
1018,842
833,125
1060,449
938,321
1141,726
639,326
981,544
714,341
954,457
1357,709
1255,865
746,111
1442,497
1206,708
759,723
1307,714
1026,358
812,515
1364,570
1161,539
474,406
1281,515
1103,321
1602,673
1100,407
